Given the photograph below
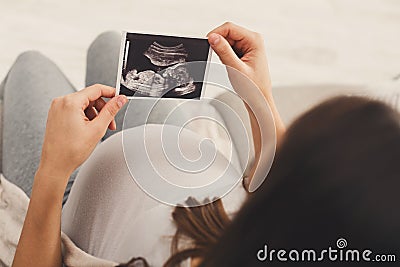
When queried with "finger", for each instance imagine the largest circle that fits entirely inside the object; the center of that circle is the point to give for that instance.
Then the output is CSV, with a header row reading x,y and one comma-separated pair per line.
x,y
90,113
232,32
94,92
241,39
112,126
108,112
99,104
224,51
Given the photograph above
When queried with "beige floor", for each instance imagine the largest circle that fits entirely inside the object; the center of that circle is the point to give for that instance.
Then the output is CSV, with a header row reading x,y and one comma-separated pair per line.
x,y
313,41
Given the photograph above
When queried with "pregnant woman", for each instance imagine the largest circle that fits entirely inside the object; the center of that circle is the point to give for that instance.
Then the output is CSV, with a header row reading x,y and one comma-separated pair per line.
x,y
333,185
107,214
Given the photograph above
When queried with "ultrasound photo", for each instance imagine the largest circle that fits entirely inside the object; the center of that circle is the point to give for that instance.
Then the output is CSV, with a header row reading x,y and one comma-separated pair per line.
x,y
162,66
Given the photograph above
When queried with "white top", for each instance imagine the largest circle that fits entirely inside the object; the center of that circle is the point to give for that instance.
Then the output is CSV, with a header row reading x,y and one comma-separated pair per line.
x,y
109,216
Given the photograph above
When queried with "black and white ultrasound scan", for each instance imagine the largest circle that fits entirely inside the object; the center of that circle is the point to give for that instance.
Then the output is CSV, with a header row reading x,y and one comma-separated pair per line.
x,y
162,66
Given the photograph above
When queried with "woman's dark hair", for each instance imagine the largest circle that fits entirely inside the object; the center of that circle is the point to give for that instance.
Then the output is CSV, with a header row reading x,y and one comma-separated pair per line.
x,y
336,175
198,228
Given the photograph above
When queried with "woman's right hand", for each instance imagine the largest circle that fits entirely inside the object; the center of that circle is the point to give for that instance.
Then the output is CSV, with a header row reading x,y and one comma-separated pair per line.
x,y
243,50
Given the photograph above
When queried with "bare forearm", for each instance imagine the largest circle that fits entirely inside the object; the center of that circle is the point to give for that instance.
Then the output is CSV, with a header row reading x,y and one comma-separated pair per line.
x,y
40,241
256,131
279,126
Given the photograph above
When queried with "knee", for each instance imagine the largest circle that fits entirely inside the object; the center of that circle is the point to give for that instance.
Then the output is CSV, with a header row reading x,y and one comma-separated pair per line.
x,y
105,39
29,57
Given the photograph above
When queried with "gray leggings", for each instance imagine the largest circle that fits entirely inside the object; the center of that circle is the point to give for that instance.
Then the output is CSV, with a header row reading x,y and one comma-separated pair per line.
x,y
26,93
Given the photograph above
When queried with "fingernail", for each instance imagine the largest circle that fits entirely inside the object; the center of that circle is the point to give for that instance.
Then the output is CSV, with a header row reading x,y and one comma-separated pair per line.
x,y
121,100
213,38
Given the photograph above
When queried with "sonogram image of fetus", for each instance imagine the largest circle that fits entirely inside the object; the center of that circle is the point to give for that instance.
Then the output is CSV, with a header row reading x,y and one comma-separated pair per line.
x,y
173,78
158,66
149,83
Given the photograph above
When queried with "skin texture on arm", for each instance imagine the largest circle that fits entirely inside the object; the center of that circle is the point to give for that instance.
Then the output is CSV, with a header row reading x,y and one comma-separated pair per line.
x,y
244,50
75,125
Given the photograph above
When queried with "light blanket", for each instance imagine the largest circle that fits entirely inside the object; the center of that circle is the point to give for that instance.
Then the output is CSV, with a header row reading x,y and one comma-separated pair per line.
x,y
13,206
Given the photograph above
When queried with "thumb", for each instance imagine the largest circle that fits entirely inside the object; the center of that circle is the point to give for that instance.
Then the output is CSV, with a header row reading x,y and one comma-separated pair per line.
x,y
224,51
110,109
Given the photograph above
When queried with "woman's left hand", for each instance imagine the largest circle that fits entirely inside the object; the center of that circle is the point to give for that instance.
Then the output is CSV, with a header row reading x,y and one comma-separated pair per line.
x,y
75,124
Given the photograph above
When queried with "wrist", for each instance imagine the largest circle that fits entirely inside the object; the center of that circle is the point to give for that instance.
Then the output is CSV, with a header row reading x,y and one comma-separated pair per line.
x,y
49,184
52,176
53,172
